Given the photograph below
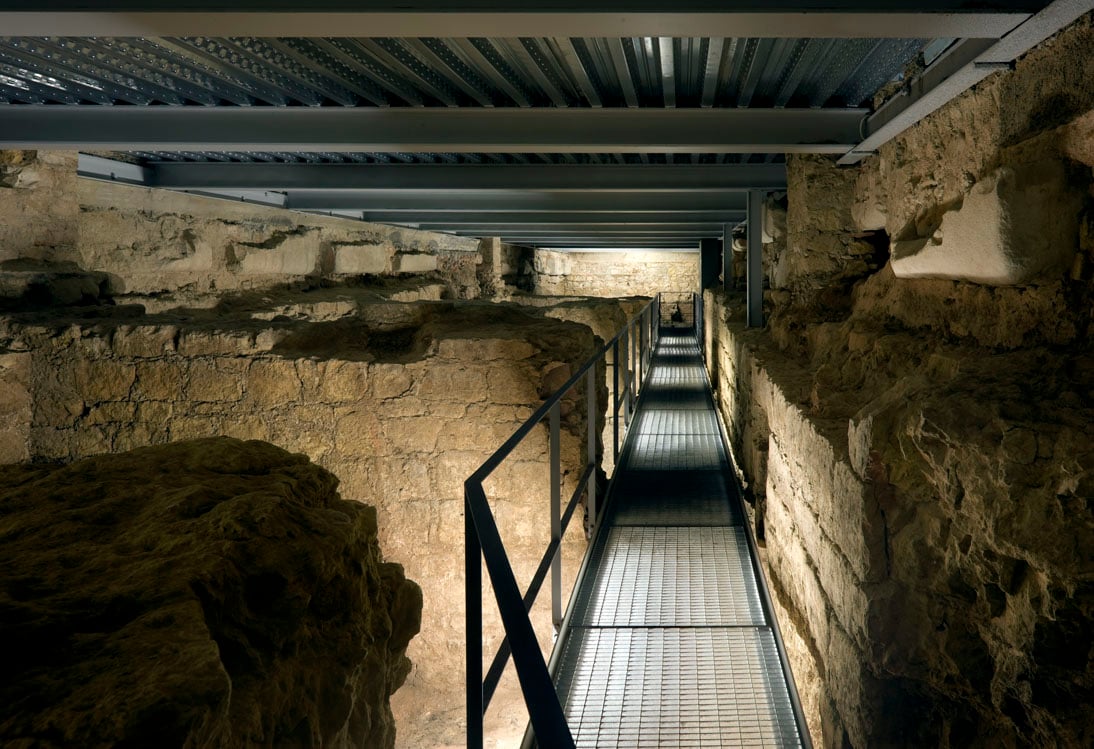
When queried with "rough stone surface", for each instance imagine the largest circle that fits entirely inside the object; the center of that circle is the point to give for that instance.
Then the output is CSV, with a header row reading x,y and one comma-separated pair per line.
x,y
997,233
925,511
822,257
212,592
401,401
614,274
917,450
156,241
938,159
38,206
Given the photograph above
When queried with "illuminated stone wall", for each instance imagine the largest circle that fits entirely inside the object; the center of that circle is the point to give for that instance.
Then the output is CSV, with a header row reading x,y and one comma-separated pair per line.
x,y
918,448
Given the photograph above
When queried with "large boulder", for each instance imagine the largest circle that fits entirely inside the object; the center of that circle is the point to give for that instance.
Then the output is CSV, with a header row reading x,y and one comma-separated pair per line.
x,y
204,593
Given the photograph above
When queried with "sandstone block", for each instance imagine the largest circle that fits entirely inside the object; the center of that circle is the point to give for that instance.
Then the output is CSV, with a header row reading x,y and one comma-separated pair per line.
x,y
1013,225
416,263
416,434
353,259
466,383
161,379
508,385
215,379
359,432
272,382
290,255
1079,139
343,381
389,380
488,349
101,380
144,340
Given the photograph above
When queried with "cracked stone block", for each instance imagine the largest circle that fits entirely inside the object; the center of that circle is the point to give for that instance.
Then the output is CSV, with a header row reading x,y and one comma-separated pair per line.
x,y
1013,225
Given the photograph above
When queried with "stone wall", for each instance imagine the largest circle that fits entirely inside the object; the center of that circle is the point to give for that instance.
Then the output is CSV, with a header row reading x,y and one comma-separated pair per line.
x,y
401,401
66,240
614,274
917,444
156,241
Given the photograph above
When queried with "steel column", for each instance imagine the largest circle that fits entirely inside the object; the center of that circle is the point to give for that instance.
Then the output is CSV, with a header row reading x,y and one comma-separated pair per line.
x,y
709,262
729,283
754,284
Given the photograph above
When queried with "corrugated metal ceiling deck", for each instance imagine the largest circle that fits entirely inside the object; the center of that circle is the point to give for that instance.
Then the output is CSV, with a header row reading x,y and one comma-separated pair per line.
x,y
475,72
768,93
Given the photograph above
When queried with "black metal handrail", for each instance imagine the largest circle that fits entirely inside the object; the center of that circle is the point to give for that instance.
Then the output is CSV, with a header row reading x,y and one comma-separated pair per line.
x,y
482,540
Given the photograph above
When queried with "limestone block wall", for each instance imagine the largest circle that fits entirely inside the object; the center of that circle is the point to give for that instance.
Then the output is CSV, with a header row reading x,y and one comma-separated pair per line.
x,y
401,402
918,447
614,274
155,241
923,510
68,240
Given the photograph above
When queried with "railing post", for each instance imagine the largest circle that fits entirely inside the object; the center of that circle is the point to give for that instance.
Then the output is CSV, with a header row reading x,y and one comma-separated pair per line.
x,y
590,452
472,587
615,404
632,373
625,339
556,515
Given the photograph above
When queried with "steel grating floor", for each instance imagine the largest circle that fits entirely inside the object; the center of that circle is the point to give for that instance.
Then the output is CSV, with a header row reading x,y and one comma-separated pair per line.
x,y
668,643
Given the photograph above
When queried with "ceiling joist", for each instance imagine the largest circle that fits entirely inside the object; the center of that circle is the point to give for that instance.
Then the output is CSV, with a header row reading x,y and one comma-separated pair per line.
x,y
662,178
366,129
518,18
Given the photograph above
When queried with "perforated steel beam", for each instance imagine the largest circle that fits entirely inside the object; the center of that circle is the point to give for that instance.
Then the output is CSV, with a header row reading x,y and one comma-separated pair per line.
x,y
543,18
432,130
433,177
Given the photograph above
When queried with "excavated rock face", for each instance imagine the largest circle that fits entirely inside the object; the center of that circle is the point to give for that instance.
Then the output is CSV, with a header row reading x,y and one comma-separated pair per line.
x,y
204,593
916,429
401,401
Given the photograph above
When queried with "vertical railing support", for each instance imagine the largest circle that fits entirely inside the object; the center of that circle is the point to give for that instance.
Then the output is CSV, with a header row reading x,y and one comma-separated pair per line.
x,y
633,378
615,403
625,339
472,588
556,514
590,452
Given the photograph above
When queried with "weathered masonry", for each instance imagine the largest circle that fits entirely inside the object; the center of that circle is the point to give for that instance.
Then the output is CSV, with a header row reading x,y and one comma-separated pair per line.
x,y
279,262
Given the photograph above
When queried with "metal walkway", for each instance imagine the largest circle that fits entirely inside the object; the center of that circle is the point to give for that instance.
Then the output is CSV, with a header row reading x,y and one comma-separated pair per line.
x,y
668,642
